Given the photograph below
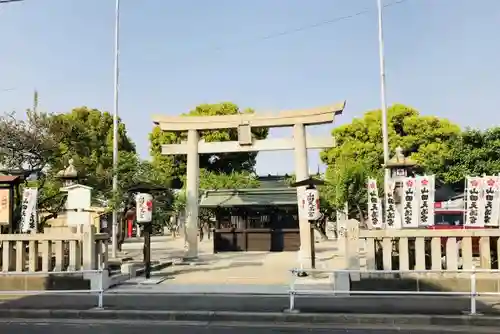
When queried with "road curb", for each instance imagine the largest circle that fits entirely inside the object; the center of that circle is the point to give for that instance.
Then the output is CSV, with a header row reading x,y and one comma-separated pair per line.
x,y
303,318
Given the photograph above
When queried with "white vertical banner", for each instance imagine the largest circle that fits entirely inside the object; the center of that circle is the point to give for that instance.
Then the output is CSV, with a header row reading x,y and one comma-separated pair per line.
x,y
310,204
491,187
410,203
474,205
29,215
426,192
144,208
374,209
392,219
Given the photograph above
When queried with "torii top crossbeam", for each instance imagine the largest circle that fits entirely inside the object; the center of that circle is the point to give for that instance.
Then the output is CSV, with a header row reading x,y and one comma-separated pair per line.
x,y
320,115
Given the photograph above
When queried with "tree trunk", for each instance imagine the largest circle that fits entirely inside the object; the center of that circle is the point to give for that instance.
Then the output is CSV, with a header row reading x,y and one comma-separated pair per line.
x,y
321,232
121,233
200,231
361,216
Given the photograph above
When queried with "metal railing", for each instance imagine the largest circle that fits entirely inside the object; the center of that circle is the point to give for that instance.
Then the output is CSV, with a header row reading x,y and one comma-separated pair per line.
x,y
293,291
473,294
99,276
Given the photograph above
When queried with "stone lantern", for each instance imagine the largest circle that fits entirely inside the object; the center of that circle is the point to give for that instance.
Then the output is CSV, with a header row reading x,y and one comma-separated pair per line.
x,y
69,175
79,198
400,167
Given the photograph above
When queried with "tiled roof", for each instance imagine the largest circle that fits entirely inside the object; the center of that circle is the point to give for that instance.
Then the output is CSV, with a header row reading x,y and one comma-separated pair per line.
x,y
9,178
249,197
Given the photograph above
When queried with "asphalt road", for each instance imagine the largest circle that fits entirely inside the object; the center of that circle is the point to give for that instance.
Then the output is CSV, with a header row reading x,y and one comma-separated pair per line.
x,y
114,327
254,303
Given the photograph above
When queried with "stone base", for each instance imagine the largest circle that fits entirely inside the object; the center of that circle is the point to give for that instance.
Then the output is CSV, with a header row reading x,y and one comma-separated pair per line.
x,y
294,311
425,284
43,283
188,261
131,268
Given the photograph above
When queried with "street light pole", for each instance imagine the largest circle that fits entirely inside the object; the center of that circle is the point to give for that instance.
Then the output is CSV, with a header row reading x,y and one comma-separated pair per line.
x,y
385,134
114,230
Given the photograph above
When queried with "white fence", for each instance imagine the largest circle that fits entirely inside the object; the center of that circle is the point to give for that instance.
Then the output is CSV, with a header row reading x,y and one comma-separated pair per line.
x,y
55,251
418,249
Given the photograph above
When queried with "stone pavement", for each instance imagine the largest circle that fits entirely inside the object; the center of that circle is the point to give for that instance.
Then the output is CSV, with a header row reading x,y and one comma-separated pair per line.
x,y
162,248
229,269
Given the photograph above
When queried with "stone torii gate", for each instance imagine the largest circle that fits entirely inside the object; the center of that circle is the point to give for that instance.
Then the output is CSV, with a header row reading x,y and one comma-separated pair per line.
x,y
298,119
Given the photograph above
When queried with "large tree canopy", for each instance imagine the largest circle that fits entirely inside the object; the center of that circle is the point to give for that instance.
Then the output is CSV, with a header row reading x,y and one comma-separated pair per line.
x,y
220,163
86,136
474,153
358,153
427,139
27,144
46,142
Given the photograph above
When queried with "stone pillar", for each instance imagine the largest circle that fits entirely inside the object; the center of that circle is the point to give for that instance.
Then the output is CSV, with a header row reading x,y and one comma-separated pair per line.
x,y
193,171
352,256
302,173
89,253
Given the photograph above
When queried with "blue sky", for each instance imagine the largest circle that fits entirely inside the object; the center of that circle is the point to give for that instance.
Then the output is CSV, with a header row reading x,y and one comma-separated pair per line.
x,y
442,57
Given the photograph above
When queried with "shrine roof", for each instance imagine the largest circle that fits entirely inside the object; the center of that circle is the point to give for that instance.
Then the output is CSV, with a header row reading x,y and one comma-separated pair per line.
x,y
249,197
10,179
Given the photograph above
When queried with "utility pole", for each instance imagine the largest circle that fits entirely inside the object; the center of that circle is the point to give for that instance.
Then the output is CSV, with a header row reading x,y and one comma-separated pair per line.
x,y
35,101
385,134
114,229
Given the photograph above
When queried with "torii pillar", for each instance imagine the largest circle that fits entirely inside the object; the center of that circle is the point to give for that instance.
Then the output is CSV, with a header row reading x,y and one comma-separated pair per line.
x,y
298,119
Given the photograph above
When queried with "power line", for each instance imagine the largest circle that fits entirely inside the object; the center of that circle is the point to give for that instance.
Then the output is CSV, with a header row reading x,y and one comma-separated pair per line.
x,y
8,1
309,26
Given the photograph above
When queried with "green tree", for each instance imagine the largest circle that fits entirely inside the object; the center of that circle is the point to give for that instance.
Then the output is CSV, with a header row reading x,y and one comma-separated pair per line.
x,y
28,147
135,172
426,139
27,144
86,136
214,181
475,153
235,180
359,153
221,163
146,174
347,184
44,143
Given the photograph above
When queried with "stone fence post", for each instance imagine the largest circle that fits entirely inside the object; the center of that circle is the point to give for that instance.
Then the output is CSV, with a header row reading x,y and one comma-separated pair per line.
x,y
352,248
88,245
348,245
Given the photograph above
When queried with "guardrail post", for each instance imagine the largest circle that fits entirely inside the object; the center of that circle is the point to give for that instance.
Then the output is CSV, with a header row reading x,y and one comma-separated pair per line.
x,y
473,291
292,302
100,294
292,292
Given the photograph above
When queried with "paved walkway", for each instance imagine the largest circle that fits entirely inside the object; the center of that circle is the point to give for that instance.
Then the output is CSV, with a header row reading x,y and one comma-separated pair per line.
x,y
261,268
231,268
